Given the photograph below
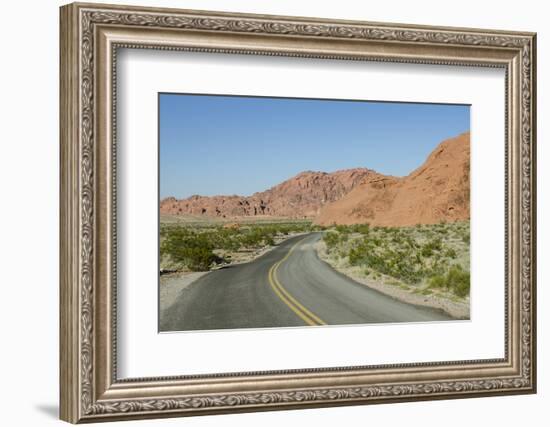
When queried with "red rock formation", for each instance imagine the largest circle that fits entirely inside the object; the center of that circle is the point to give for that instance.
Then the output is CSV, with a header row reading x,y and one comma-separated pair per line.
x,y
299,197
437,191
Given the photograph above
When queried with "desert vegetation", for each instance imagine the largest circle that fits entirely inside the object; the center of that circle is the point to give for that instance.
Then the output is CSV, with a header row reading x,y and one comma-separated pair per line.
x,y
200,246
424,259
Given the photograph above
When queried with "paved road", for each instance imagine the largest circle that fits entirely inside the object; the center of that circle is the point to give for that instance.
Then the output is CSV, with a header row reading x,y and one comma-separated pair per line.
x,y
288,286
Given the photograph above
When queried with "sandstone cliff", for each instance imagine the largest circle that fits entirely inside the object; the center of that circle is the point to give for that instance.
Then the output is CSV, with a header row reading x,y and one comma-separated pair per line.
x,y
437,191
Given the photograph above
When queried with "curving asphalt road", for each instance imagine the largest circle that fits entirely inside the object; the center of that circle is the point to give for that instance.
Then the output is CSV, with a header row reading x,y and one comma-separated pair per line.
x,y
288,286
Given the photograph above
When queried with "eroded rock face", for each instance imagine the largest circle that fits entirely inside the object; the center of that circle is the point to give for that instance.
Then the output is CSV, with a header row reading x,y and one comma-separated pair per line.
x,y
299,197
437,191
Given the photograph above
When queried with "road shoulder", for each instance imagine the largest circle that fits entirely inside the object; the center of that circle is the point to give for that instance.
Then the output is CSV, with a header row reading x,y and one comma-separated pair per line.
x,y
172,284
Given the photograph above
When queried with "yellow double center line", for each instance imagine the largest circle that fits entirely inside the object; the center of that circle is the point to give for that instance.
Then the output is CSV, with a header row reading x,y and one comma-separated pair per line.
x,y
285,296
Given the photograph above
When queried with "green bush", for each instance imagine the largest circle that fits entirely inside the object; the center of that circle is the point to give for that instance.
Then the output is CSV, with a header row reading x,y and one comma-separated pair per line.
x,y
456,280
450,253
357,256
437,281
342,229
192,250
331,239
361,228
431,247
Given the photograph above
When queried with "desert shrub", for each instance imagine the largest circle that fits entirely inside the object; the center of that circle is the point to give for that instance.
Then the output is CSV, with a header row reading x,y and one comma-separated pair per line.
x,y
431,247
450,253
410,242
376,241
193,250
388,230
437,281
259,236
223,238
361,228
342,229
269,241
331,239
395,263
358,255
456,280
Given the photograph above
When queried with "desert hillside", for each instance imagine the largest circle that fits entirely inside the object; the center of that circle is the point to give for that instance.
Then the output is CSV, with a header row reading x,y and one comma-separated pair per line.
x,y
437,191
302,196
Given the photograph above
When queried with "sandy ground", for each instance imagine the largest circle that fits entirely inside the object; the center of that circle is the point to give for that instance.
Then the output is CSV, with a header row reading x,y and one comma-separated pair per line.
x,y
172,284
456,309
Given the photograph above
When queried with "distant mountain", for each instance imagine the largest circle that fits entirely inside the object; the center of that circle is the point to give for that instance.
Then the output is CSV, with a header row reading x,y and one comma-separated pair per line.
x,y
302,196
437,191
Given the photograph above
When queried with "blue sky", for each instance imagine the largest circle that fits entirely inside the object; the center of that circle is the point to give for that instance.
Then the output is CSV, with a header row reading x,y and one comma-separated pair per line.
x,y
240,145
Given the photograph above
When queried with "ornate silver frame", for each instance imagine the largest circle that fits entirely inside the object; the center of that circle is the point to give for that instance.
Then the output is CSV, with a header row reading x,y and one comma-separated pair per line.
x,y
90,36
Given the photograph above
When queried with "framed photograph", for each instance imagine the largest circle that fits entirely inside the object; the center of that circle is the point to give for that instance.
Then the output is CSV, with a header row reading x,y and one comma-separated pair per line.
x,y
266,212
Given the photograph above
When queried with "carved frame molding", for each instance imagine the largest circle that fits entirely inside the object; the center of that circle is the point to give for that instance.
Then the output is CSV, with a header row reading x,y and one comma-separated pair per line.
x,y
90,36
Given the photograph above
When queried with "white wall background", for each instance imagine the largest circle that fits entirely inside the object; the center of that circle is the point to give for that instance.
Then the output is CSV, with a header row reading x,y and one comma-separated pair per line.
x,y
29,170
